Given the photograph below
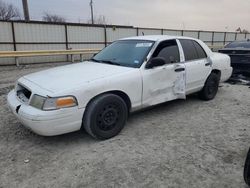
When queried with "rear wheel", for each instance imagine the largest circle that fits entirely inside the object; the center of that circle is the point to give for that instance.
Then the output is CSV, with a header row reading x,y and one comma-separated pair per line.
x,y
210,88
105,116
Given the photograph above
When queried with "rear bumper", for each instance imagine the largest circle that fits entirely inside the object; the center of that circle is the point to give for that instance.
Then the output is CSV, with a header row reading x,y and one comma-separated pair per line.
x,y
46,123
226,74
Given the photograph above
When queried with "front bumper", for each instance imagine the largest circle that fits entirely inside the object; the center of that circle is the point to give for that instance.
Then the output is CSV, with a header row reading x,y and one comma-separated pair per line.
x,y
46,123
241,68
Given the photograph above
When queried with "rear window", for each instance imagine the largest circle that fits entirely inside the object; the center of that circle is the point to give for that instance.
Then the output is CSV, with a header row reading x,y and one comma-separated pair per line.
x,y
200,51
242,44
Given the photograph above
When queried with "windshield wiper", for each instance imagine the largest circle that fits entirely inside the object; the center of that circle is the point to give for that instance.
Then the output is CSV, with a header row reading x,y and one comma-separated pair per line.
x,y
95,60
105,61
110,62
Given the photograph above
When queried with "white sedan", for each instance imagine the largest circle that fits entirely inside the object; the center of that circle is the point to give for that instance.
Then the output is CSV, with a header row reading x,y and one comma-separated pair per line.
x,y
128,75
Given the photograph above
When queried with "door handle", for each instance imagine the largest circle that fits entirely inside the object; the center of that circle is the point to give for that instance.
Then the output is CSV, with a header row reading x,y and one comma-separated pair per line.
x,y
179,70
208,64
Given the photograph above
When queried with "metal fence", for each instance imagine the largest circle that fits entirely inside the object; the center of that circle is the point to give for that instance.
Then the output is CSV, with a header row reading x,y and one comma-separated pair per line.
x,y
36,35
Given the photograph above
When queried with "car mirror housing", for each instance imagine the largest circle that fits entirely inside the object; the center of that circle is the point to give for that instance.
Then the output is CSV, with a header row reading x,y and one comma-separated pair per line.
x,y
155,62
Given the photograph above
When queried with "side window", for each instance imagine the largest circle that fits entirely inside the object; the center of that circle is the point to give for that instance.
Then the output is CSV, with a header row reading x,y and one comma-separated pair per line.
x,y
189,49
200,51
169,51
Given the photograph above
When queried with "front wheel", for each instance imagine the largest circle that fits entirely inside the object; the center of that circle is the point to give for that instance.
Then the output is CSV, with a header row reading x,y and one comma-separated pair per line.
x,y
210,88
105,116
247,169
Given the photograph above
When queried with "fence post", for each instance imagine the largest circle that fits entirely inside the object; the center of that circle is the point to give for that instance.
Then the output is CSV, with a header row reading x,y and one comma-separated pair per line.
x,y
137,31
105,35
236,36
14,42
66,39
225,38
162,31
212,38
199,34
182,32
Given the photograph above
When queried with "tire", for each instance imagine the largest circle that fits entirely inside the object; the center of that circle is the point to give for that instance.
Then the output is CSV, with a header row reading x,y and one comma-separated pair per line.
x,y
247,169
105,116
210,88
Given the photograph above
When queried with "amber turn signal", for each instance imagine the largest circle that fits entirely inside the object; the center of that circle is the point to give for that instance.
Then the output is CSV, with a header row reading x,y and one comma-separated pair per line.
x,y
65,102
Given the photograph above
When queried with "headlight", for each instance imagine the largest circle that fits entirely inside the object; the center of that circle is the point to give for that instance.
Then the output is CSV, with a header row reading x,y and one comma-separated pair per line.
x,y
53,103
37,101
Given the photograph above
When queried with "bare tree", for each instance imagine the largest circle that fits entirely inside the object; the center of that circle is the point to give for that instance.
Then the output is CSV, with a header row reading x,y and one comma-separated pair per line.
x,y
99,20
8,11
53,18
238,30
244,31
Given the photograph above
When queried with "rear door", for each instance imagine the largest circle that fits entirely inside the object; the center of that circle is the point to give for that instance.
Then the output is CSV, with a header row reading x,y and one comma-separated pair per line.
x,y
198,66
167,82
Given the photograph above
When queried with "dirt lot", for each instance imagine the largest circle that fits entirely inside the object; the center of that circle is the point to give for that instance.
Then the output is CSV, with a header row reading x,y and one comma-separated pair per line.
x,y
178,144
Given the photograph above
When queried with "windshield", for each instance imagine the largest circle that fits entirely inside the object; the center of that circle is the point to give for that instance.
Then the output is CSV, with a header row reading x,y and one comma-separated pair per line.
x,y
129,53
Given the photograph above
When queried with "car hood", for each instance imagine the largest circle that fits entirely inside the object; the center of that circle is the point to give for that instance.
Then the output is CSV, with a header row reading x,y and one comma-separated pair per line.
x,y
71,76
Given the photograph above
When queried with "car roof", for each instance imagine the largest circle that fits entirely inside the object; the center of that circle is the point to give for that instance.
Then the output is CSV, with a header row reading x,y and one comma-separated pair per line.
x,y
240,43
156,37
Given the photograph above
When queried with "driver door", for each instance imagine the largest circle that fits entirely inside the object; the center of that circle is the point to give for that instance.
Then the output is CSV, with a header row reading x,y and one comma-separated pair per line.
x,y
167,82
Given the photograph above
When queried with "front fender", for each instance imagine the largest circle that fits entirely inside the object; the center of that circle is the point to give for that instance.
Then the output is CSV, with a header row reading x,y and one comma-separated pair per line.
x,y
129,83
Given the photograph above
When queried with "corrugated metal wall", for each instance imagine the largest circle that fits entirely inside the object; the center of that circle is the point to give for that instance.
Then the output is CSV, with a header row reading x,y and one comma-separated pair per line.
x,y
49,36
114,33
145,31
191,34
172,32
39,37
6,40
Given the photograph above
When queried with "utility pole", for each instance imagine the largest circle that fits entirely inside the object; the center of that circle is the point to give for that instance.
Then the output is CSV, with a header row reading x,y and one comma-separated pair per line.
x,y
92,13
26,10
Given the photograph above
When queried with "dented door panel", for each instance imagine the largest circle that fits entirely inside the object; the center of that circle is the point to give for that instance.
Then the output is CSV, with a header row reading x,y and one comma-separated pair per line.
x,y
163,84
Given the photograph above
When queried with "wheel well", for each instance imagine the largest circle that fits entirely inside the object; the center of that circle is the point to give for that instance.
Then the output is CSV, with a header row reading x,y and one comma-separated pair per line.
x,y
217,72
124,96
121,94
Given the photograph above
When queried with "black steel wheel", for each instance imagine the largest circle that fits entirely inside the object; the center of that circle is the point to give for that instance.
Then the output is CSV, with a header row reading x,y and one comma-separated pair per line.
x,y
210,88
105,116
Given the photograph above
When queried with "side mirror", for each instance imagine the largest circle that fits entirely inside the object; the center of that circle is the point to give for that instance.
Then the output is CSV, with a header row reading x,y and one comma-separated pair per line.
x,y
155,62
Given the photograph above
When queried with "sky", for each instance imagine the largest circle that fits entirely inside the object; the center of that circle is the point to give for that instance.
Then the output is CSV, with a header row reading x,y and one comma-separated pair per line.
x,y
218,15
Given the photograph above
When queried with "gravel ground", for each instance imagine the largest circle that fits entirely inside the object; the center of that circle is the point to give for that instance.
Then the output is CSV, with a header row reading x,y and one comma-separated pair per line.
x,y
188,143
